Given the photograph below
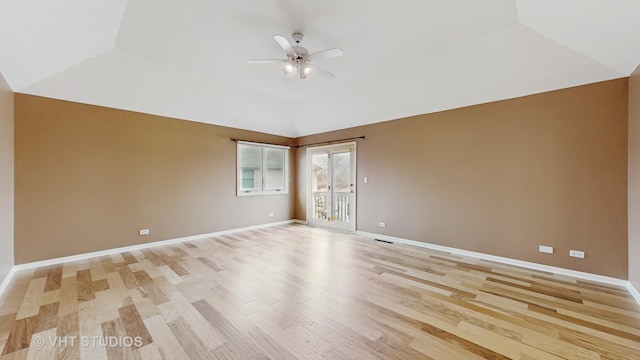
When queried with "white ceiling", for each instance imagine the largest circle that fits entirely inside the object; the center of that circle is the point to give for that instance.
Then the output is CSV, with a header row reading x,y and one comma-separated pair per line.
x,y
185,58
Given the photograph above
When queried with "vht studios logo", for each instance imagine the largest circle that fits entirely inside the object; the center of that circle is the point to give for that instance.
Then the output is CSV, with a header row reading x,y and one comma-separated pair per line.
x,y
88,341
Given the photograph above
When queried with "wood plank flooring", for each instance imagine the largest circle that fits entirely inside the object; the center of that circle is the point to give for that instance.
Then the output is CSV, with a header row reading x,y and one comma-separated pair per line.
x,y
295,292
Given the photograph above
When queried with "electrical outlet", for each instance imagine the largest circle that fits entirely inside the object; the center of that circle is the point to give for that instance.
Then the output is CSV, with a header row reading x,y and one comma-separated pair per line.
x,y
366,179
576,253
546,249
270,214
144,232
382,224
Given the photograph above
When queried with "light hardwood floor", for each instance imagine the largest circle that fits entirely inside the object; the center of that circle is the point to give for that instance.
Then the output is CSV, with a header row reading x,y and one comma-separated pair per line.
x,y
295,292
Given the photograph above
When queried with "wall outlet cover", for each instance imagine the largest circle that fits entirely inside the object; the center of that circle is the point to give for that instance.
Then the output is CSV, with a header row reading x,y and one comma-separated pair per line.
x,y
576,253
546,249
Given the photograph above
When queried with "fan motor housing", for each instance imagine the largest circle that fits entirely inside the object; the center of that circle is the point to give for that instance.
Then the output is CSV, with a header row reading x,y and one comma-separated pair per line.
x,y
301,52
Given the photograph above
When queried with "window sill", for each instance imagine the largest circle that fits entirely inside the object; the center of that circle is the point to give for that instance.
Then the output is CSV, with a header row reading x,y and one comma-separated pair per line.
x,y
259,193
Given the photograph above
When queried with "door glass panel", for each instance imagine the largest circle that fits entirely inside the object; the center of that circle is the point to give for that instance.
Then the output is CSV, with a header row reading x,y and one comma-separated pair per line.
x,y
341,169
320,185
332,187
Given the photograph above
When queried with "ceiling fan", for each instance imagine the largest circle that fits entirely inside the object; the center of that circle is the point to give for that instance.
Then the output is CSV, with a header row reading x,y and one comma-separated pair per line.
x,y
298,58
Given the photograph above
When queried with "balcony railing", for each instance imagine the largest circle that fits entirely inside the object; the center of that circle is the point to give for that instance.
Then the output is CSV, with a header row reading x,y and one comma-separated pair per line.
x,y
341,205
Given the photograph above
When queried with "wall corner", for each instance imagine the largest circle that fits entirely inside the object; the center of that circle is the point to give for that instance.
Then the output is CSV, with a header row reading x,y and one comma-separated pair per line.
x,y
6,179
634,179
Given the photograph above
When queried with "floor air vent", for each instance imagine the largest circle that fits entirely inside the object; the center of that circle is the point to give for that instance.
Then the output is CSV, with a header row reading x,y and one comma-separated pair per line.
x,y
384,241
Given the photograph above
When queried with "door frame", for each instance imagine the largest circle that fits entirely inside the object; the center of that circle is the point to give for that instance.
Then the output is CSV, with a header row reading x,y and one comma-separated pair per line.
x,y
308,199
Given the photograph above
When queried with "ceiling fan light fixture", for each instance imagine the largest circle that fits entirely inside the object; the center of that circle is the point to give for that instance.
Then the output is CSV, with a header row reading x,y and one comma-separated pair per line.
x,y
298,60
288,68
306,69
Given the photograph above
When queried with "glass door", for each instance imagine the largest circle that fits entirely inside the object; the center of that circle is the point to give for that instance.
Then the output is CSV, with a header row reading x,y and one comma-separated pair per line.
x,y
331,200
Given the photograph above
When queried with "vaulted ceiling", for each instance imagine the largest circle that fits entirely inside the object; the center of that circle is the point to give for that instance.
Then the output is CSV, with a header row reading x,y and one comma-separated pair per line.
x,y
186,58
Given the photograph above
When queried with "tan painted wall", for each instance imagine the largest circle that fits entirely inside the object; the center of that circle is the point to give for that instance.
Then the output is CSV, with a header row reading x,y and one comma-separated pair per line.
x,y
6,178
88,178
499,178
634,178
502,178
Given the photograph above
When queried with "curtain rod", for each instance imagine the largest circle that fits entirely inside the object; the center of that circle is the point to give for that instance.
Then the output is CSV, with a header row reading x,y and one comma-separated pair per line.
x,y
299,146
331,141
258,142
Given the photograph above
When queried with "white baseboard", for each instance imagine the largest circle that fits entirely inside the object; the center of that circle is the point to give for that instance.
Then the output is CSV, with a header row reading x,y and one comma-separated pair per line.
x,y
556,270
94,254
633,291
143,246
7,279
503,260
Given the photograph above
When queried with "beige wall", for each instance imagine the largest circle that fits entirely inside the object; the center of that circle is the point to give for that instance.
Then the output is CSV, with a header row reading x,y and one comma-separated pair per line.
x,y
6,178
634,178
502,178
499,178
88,178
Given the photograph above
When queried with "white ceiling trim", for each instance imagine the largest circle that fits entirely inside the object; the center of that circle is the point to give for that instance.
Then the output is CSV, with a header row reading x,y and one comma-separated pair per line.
x,y
606,31
185,59
39,38
136,84
520,62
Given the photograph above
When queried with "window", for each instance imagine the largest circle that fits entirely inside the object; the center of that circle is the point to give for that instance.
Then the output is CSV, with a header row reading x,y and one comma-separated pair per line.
x,y
262,169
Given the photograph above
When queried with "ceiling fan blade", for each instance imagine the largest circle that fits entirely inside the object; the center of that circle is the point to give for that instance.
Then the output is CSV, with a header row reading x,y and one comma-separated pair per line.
x,y
325,54
322,72
265,61
285,45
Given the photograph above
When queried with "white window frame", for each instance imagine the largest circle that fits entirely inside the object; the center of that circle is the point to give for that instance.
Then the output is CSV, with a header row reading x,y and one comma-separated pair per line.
x,y
263,146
